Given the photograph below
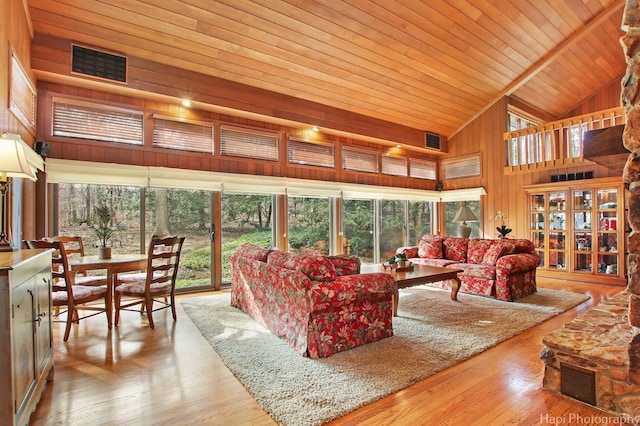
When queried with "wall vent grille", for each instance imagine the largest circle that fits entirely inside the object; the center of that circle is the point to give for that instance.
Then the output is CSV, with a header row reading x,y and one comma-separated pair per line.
x,y
578,383
432,140
98,64
572,176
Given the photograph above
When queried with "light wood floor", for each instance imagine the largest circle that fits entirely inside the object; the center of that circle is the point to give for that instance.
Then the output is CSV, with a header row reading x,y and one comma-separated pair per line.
x,y
171,375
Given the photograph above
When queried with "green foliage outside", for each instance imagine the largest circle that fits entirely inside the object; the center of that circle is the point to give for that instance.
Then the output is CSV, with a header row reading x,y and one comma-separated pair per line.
x,y
141,212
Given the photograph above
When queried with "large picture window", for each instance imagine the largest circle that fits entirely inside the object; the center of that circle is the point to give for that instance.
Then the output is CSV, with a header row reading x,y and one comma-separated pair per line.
x,y
250,209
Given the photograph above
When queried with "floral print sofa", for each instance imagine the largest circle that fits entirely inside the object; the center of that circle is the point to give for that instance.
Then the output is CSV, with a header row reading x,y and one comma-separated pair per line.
x,y
501,268
319,305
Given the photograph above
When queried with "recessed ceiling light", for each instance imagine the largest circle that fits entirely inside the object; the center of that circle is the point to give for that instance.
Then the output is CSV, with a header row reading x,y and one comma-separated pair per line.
x,y
186,103
316,128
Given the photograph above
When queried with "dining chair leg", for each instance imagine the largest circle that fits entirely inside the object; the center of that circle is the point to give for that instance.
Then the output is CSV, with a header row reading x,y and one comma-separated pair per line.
x,y
67,329
149,308
173,306
116,304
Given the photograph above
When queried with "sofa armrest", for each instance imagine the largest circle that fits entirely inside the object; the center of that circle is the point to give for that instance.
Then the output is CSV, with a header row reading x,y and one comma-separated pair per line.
x,y
519,262
349,288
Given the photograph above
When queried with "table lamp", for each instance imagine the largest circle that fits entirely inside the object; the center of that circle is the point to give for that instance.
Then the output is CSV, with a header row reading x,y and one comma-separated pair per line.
x,y
465,214
17,160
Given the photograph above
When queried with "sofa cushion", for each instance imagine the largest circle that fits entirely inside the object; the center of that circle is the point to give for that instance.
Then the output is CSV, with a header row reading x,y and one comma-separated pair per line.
x,y
345,264
254,252
493,253
430,247
316,267
455,248
477,249
477,271
434,262
411,252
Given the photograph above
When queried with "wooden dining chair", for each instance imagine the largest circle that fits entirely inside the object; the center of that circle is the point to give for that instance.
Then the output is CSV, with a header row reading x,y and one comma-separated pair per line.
x,y
66,293
159,280
74,246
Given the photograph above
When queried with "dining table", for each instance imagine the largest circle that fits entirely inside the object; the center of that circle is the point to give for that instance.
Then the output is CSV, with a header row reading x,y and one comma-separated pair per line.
x,y
114,265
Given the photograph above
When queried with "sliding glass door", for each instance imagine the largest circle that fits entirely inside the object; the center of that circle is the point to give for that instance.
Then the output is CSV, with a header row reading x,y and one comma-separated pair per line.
x,y
245,218
166,211
358,229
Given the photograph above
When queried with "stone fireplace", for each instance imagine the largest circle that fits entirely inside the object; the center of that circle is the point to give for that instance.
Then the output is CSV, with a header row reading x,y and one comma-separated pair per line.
x,y
596,357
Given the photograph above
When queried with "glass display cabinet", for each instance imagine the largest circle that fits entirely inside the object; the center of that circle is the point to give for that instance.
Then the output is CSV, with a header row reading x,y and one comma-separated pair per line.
x,y
577,228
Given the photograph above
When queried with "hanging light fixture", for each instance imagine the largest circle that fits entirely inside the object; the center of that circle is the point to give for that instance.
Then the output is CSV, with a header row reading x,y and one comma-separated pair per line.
x,y
17,160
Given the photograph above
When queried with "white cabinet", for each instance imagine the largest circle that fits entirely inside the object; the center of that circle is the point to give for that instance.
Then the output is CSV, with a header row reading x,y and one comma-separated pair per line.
x,y
26,354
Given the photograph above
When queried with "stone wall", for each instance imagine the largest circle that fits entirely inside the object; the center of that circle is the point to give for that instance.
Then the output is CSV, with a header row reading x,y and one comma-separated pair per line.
x,y
605,342
630,100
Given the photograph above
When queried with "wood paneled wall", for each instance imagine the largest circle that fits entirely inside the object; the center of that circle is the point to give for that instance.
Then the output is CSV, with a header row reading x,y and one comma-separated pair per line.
x,y
15,36
52,56
147,155
504,192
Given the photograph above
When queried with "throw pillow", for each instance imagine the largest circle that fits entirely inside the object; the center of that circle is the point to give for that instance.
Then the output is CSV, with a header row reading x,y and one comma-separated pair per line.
x,y
316,267
345,264
491,256
410,252
430,247
477,249
252,251
455,248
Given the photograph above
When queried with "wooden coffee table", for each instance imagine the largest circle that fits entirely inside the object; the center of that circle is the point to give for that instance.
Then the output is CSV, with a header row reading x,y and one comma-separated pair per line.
x,y
421,274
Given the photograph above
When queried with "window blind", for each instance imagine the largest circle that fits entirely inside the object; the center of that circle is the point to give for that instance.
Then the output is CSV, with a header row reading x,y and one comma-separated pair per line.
x,y
22,95
249,143
359,160
182,135
311,153
396,166
73,119
422,169
461,167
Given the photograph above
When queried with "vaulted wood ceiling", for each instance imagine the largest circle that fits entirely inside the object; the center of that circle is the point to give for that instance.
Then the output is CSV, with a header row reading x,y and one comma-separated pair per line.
x,y
430,65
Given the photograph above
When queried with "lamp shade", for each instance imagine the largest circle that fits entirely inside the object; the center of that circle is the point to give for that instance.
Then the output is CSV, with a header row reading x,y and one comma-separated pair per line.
x,y
17,159
465,215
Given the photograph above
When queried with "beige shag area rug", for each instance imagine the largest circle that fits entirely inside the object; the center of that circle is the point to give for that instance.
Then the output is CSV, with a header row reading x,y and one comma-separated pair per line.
x,y
431,333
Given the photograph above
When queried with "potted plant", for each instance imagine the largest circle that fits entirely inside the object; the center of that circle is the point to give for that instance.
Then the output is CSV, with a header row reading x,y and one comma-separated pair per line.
x,y
399,260
503,229
104,228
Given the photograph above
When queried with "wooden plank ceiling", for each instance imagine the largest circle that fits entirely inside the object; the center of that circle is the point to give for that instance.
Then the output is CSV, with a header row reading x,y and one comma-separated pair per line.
x,y
430,65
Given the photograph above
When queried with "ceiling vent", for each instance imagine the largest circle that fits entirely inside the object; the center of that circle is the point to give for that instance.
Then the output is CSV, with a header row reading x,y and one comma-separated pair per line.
x,y
98,64
432,141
